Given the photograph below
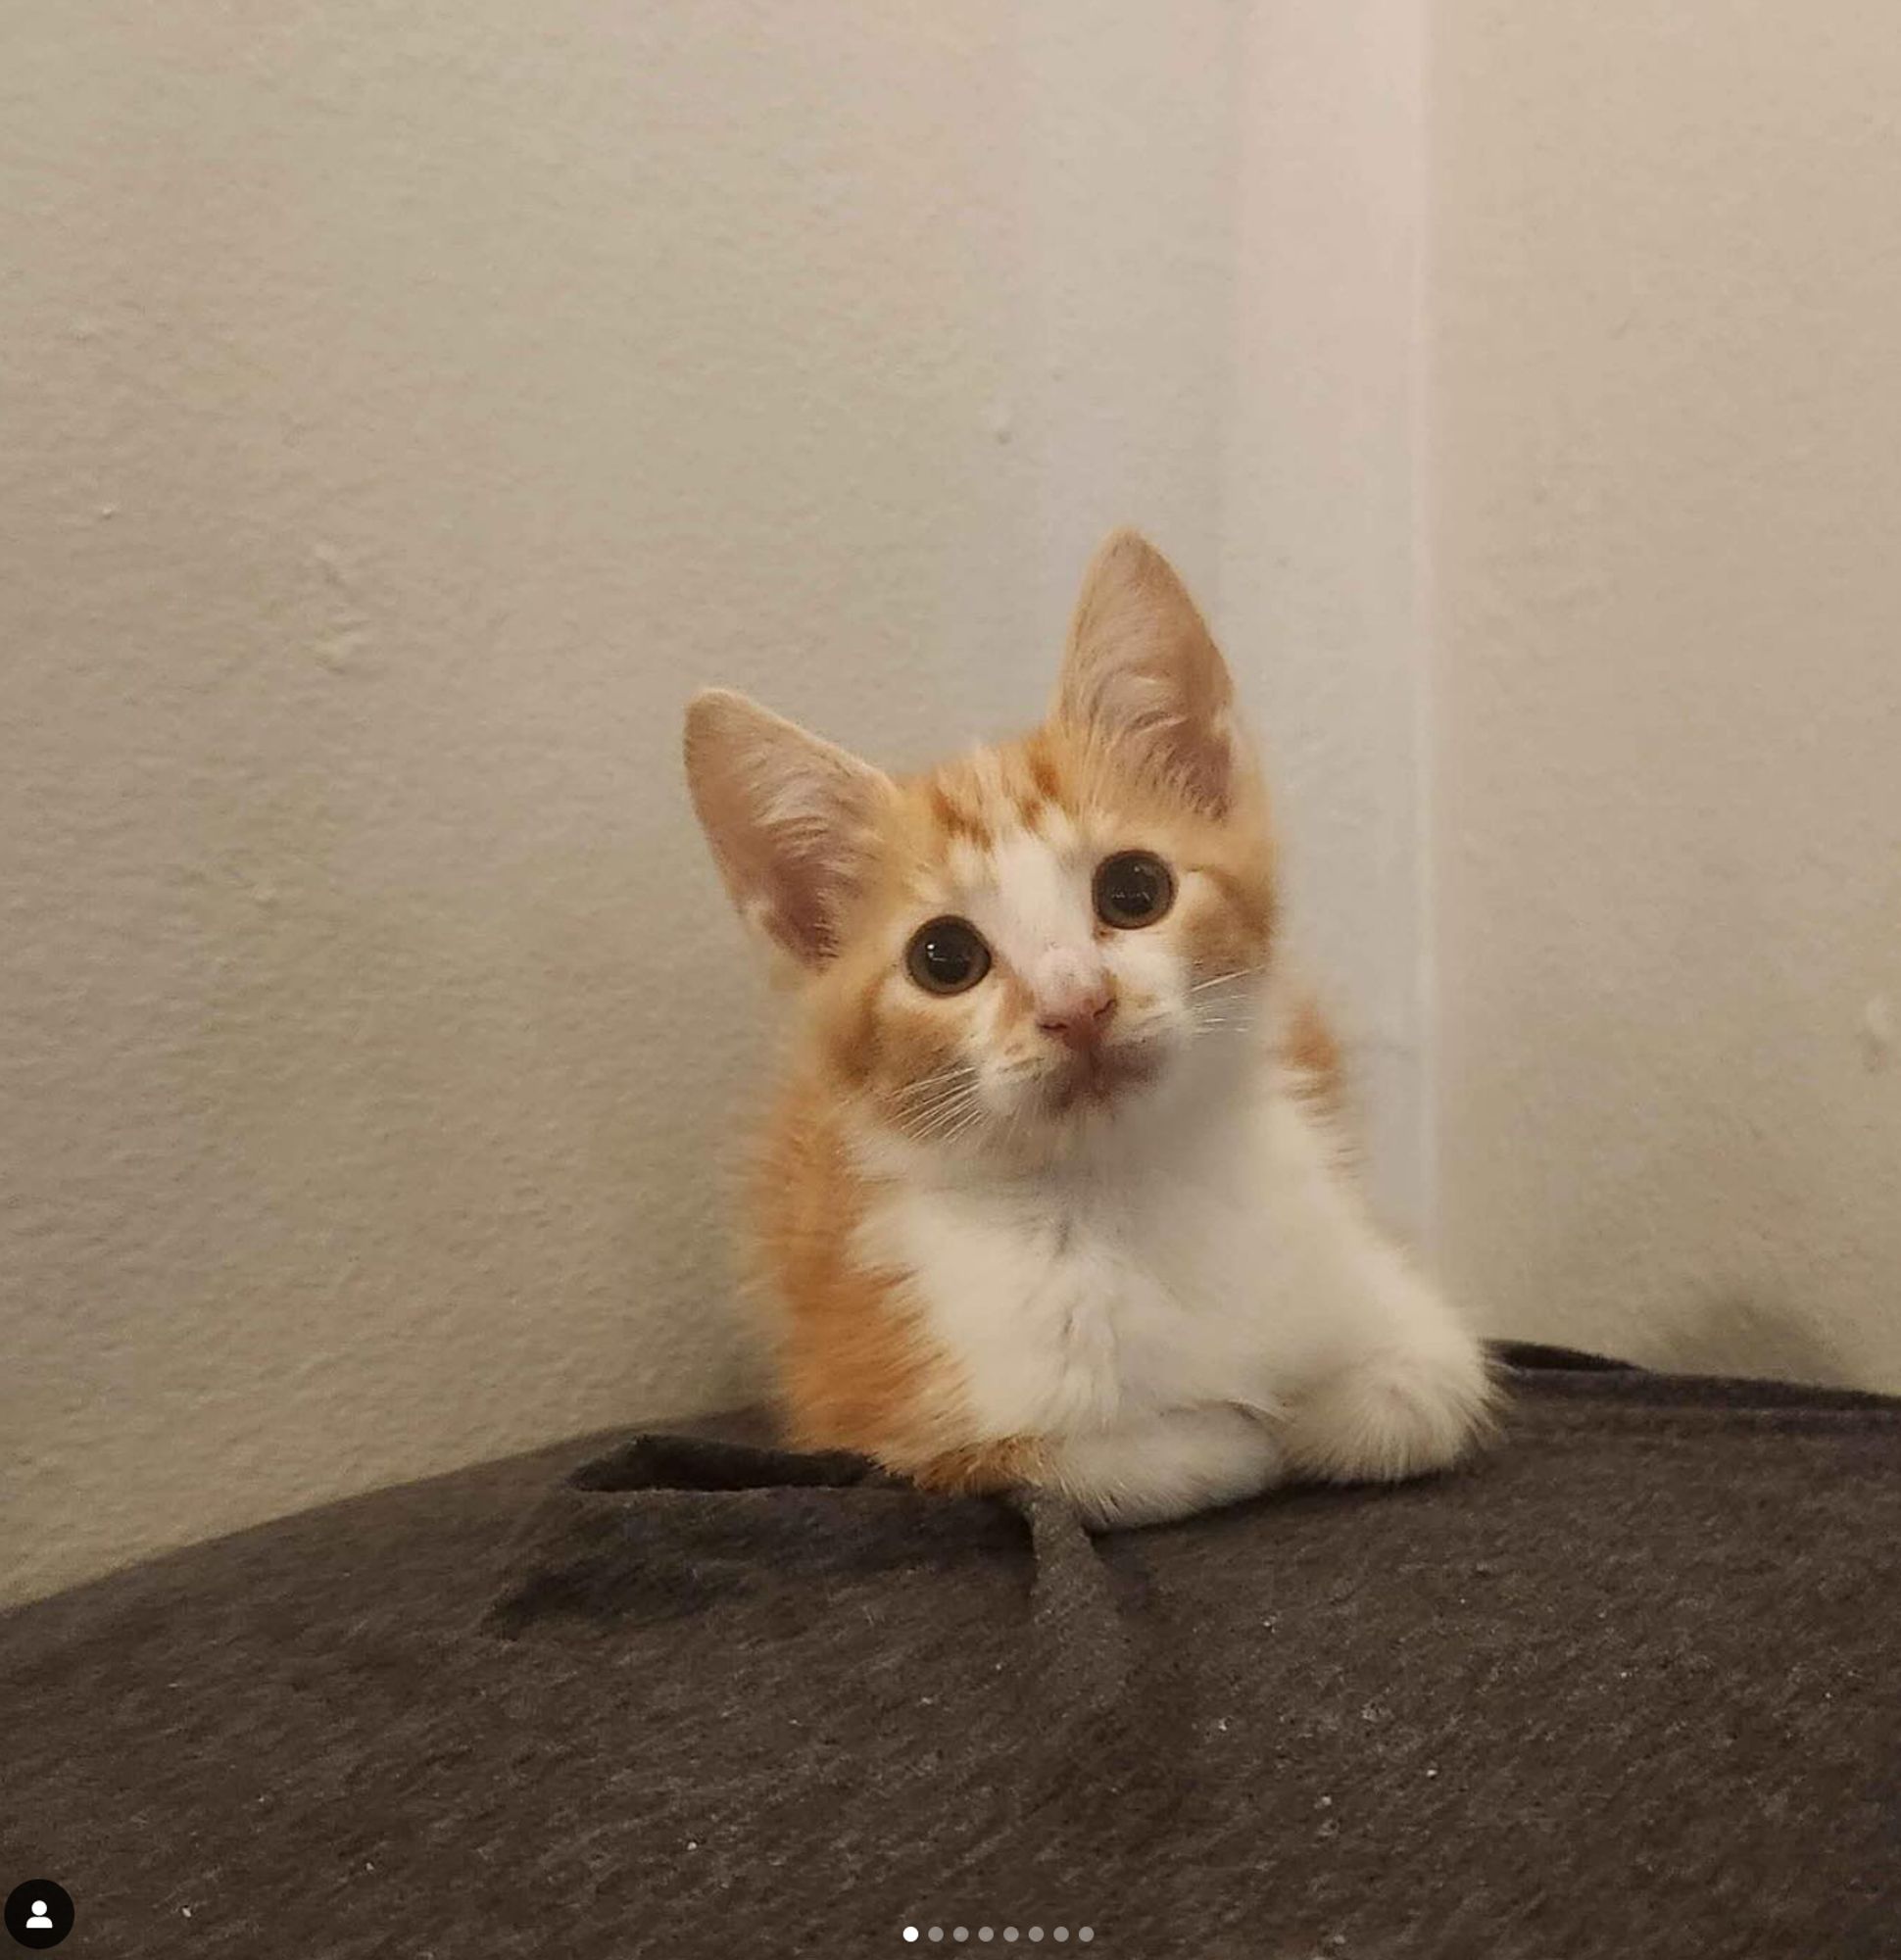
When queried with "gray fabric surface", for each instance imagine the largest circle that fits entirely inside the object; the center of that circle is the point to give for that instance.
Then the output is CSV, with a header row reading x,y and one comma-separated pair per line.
x,y
1625,1687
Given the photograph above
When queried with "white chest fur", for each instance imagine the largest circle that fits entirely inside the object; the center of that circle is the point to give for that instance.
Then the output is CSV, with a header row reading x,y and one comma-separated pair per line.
x,y
1205,1253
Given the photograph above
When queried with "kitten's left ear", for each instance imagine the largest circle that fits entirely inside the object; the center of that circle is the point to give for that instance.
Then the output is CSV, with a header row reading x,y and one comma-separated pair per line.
x,y
1143,671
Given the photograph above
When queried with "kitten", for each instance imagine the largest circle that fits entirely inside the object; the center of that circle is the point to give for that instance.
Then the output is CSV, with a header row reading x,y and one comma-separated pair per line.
x,y
1052,1194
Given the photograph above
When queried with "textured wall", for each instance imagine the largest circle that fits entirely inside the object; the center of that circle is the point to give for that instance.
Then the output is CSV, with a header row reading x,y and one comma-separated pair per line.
x,y
1320,521
1665,478
403,407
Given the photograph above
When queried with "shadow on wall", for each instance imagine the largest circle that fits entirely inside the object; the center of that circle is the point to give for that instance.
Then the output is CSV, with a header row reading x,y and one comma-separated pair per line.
x,y
1728,1335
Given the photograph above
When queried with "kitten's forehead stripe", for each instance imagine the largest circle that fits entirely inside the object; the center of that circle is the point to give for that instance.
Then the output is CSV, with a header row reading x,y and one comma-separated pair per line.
x,y
980,798
960,817
1041,766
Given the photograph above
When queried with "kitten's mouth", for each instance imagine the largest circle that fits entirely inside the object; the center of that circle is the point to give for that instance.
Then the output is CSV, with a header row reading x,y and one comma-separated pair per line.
x,y
1094,1077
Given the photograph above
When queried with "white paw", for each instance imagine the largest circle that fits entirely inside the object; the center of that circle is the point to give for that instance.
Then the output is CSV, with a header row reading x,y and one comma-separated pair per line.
x,y
1149,1469
1394,1413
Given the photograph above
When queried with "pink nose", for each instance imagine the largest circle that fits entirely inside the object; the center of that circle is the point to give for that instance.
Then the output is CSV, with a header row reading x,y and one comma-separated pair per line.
x,y
1078,1019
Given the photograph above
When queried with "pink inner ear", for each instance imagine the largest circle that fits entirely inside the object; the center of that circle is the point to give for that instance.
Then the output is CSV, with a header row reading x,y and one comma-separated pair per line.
x,y
793,879
807,893
786,815
1178,730
1142,672
1202,753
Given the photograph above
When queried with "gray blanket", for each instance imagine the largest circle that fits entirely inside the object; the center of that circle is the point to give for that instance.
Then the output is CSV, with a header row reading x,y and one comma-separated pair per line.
x,y
1627,1688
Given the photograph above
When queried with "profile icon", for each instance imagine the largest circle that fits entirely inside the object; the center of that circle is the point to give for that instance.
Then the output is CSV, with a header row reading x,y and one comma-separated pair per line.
x,y
38,1914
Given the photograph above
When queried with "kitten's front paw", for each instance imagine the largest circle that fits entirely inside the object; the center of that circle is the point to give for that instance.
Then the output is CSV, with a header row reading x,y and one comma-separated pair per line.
x,y
1150,1469
1394,1413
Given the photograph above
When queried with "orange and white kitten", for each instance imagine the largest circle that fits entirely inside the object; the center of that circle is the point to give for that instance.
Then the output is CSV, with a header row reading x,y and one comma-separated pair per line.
x,y
1050,1196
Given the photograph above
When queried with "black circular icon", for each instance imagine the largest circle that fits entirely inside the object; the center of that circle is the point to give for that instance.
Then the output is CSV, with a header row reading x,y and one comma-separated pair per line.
x,y
39,1913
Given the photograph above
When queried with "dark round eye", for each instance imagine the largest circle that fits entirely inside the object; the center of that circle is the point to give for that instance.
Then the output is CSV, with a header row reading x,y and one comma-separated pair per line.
x,y
947,956
1134,888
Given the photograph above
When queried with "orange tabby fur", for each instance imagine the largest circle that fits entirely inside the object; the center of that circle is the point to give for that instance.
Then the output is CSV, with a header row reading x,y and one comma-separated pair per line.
x,y
858,1370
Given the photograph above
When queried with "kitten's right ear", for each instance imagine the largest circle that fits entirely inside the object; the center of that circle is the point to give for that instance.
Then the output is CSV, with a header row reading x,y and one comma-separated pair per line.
x,y
789,817
1143,671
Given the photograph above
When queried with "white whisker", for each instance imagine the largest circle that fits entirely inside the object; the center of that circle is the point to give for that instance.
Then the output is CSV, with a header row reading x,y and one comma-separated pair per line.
x,y
963,1072
945,1117
1221,979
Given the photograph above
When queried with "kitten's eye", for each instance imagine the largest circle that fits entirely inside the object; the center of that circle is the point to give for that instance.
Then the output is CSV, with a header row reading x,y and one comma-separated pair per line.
x,y
947,957
1133,889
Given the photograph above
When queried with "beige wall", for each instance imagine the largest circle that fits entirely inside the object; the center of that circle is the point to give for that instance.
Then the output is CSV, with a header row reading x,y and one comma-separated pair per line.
x,y
1666,484
1320,588
403,409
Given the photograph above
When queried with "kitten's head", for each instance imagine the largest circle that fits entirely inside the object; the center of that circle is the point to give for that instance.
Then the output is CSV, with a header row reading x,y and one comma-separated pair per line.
x,y
1033,941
